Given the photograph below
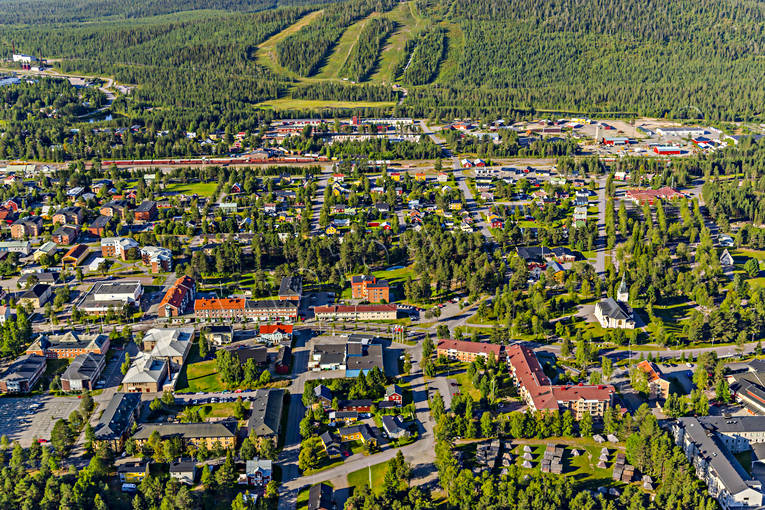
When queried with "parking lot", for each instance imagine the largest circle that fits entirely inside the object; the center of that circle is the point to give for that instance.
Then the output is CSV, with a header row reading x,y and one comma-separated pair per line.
x,y
21,422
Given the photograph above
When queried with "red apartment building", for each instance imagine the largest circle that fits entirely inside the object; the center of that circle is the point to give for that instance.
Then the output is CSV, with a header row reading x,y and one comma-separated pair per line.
x,y
467,351
369,288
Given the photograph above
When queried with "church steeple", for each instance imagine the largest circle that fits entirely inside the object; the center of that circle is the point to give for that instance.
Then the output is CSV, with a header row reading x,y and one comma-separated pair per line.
x,y
623,293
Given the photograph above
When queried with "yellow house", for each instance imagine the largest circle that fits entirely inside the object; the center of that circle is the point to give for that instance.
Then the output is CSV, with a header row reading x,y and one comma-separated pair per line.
x,y
133,472
195,434
396,176
420,176
455,206
360,433
331,230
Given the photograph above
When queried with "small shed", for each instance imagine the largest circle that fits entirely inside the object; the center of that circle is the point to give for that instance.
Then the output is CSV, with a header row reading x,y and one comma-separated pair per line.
x,y
526,464
598,438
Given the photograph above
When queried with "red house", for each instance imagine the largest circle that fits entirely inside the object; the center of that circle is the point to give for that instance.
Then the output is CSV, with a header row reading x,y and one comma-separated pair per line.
x,y
393,393
359,405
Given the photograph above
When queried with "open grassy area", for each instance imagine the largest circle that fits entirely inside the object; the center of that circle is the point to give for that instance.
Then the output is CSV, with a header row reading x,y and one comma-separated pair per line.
x,y
203,189
361,476
201,376
266,54
466,386
343,49
219,410
287,103
408,22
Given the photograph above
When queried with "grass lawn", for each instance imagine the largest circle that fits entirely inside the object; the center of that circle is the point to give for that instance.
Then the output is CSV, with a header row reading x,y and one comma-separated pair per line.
x,y
407,21
219,410
343,48
361,477
302,499
288,103
203,189
466,386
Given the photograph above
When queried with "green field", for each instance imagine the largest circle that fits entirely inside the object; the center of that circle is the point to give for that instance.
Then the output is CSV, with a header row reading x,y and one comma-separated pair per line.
x,y
342,49
361,477
408,22
287,103
219,410
200,376
203,189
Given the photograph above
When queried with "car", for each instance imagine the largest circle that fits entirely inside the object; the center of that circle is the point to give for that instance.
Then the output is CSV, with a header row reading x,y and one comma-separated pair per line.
x,y
346,454
238,391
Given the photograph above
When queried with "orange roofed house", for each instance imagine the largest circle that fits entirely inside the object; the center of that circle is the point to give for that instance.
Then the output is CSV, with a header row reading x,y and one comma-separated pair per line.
x,y
468,351
658,386
649,196
177,299
219,308
369,288
541,395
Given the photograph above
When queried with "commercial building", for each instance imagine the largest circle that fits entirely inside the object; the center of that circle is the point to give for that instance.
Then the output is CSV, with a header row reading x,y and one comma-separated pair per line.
x,y
369,288
37,296
356,312
196,434
327,356
748,386
178,298
69,345
361,358
117,419
20,247
649,196
146,374
22,374
266,413
710,444
658,386
540,394
467,351
682,132
112,295
83,372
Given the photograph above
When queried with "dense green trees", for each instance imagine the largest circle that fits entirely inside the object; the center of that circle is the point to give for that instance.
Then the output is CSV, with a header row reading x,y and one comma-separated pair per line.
x,y
303,52
366,51
333,91
429,47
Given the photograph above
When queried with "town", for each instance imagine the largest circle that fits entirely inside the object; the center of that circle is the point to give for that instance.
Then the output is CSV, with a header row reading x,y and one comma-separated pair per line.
x,y
351,255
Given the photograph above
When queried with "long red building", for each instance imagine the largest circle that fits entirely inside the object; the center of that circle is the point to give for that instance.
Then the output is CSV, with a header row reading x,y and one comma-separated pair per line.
x,y
541,395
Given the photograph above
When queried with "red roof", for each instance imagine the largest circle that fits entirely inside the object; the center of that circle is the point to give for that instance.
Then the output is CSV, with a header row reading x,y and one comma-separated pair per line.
x,y
466,346
649,195
650,370
355,308
530,376
175,294
219,304
268,329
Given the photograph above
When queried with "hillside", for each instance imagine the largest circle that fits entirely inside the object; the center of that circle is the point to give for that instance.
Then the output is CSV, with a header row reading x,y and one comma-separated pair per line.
x,y
459,58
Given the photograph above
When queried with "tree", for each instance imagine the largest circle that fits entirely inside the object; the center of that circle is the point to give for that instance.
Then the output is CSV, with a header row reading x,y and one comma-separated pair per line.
x,y
752,268
701,376
311,455
267,448
168,398
487,424
247,451
155,405
427,348
607,368
125,364
239,409
585,425
722,391
61,436
226,474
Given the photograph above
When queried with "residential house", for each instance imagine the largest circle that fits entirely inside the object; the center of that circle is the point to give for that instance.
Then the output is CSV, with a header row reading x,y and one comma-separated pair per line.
x,y
323,396
726,259
320,497
196,434
361,433
31,226
276,333
369,288
283,360
185,471
133,472
219,335
658,386
22,374
147,211
266,413
392,426
119,247
330,445
178,298
259,471
48,249
115,209
65,234
83,372
291,288
36,297
393,393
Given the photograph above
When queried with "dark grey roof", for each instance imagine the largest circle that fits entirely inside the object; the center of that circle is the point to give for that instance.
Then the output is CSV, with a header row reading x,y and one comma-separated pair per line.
x,y
266,412
100,222
733,476
84,367
322,391
369,358
23,368
116,417
291,286
330,353
391,426
183,466
612,309
35,292
260,304
320,497
184,430
259,353
145,206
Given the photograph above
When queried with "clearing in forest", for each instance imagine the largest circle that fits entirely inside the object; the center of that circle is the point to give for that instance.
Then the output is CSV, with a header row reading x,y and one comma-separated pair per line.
x,y
408,23
266,54
342,49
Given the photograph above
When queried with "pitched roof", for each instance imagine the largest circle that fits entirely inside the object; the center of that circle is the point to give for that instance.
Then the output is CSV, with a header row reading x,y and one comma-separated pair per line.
x,y
611,308
84,367
266,412
184,430
473,347
219,304
115,419
170,342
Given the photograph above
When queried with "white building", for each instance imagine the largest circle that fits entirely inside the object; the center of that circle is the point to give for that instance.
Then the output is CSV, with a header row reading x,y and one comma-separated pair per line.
x,y
24,59
612,314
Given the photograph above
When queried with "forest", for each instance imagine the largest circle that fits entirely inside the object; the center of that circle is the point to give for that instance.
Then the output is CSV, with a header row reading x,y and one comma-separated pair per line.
x,y
366,51
304,52
333,91
428,51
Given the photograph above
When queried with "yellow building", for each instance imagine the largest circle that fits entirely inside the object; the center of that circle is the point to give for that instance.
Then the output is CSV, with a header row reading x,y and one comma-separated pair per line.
x,y
360,433
195,434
